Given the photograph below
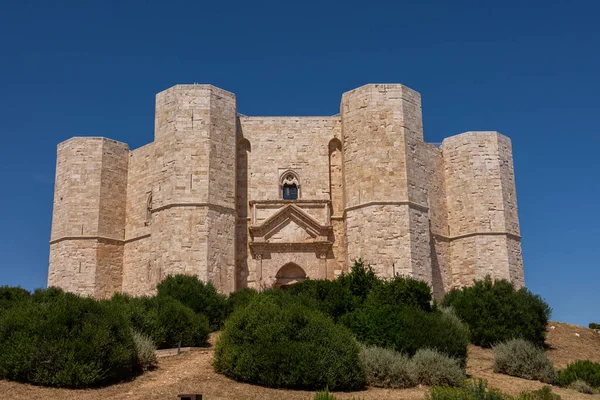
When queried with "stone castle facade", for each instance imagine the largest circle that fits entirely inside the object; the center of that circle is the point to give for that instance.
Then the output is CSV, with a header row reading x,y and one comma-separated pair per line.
x,y
266,201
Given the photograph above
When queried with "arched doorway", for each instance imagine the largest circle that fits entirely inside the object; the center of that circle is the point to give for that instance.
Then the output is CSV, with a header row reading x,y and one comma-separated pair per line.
x,y
289,274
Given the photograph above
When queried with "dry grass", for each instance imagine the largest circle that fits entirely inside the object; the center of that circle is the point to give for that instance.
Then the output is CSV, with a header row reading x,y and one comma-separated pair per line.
x,y
191,372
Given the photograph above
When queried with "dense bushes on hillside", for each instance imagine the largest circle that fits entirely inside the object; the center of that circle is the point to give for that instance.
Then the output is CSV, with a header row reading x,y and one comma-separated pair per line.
x,y
586,371
342,295
594,325
279,342
478,390
61,339
165,320
240,299
400,290
408,329
386,368
518,357
201,297
11,295
495,311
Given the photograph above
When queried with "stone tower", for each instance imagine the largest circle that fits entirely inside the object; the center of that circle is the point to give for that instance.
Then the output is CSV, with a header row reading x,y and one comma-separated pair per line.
x,y
88,225
268,201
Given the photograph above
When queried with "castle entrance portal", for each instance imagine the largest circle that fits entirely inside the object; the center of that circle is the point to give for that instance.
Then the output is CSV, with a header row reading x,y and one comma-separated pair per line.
x,y
289,274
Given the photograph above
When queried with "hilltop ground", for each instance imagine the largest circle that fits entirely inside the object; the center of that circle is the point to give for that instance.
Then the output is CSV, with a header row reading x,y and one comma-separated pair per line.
x,y
191,372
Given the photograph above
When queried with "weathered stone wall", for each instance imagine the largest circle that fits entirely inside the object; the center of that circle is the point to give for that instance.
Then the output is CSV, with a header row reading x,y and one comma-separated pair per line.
x,y
385,180
480,196
279,144
193,228
139,276
274,145
205,198
88,227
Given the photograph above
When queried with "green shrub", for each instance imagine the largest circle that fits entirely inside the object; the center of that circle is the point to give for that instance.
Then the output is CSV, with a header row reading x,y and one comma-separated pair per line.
x,y
472,390
361,280
146,350
478,390
201,297
496,312
544,393
408,329
325,395
10,296
594,325
401,290
278,342
61,339
582,387
332,297
341,295
432,368
165,320
518,357
240,299
586,371
386,368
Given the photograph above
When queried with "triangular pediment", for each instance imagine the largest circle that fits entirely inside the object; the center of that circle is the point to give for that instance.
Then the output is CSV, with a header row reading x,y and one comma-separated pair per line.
x,y
290,224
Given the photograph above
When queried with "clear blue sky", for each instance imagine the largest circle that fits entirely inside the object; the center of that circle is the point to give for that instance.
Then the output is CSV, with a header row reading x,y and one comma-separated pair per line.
x,y
529,69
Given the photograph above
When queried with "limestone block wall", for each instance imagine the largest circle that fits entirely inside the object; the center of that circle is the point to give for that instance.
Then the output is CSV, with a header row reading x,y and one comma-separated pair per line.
x,y
271,146
481,205
432,173
88,228
369,187
385,195
279,144
193,210
140,276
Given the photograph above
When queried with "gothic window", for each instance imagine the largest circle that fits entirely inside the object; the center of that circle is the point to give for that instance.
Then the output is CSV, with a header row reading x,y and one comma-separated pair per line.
x,y
290,186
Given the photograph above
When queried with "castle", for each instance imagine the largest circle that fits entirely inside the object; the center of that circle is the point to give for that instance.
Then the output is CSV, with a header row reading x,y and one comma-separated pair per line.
x,y
267,201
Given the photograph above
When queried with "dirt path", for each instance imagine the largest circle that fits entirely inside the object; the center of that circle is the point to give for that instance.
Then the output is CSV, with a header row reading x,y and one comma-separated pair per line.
x,y
192,372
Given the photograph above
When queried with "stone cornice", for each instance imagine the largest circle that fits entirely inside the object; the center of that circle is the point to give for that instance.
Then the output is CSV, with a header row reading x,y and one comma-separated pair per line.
x,y
195,205
387,203
84,237
472,234
281,201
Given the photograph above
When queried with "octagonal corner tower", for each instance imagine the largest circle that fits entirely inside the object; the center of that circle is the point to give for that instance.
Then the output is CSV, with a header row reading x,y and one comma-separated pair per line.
x,y
268,201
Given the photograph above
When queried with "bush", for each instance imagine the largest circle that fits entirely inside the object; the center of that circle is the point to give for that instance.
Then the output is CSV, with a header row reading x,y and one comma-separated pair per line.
x,y
518,357
340,296
408,329
165,320
496,312
594,325
544,393
401,290
430,367
332,297
10,296
278,342
586,371
325,395
201,297
146,350
240,299
61,339
361,280
386,368
582,387
477,390
473,390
